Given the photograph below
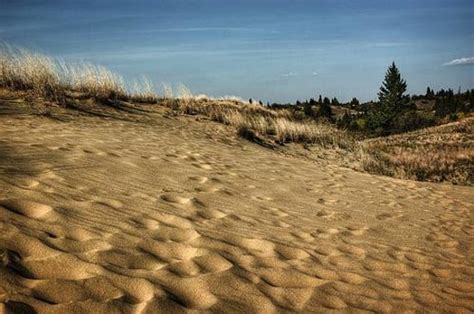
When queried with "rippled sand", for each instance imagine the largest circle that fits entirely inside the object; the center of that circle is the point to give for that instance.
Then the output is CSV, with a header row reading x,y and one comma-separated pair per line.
x,y
170,214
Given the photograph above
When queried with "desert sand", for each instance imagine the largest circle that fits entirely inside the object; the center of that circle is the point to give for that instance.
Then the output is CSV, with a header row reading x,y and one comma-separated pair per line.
x,y
141,211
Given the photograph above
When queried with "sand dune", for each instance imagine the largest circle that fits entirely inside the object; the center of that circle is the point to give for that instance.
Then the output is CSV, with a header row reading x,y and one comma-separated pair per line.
x,y
155,213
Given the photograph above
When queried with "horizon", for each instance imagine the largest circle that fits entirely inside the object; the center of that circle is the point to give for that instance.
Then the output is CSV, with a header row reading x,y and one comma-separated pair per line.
x,y
291,50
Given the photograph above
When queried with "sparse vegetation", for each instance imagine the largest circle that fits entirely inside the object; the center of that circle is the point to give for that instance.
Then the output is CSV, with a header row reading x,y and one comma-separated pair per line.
x,y
437,154
256,122
442,153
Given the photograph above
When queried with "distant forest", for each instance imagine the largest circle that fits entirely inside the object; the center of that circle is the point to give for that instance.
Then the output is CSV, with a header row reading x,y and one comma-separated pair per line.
x,y
394,112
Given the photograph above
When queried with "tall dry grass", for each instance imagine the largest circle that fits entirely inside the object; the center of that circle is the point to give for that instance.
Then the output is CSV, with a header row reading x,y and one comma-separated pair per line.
x,y
46,76
23,70
254,121
91,79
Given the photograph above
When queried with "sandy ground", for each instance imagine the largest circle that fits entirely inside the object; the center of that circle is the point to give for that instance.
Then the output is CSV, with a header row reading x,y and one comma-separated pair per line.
x,y
176,215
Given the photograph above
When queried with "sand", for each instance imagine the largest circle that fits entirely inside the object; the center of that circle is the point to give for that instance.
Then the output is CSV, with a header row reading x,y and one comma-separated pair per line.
x,y
176,214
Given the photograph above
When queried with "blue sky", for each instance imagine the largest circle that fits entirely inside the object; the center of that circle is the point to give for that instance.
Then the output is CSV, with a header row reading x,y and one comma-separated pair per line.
x,y
274,50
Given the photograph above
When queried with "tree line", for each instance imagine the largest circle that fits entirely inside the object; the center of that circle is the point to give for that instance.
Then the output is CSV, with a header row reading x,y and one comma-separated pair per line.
x,y
394,112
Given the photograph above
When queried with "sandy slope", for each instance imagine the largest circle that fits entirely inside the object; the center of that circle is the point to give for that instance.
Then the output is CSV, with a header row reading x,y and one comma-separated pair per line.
x,y
171,214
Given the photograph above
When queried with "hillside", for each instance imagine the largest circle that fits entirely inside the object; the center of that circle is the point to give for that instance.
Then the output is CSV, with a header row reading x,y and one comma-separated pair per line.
x,y
135,208
441,153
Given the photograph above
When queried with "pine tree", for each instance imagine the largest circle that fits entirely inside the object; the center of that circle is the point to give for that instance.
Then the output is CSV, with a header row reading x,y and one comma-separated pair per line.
x,y
325,109
354,102
392,101
392,89
429,92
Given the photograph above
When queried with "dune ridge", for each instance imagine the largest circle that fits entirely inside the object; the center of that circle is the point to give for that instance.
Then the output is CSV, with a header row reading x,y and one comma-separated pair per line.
x,y
161,213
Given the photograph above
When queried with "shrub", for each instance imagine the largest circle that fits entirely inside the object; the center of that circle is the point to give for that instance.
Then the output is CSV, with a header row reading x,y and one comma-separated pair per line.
x,y
412,120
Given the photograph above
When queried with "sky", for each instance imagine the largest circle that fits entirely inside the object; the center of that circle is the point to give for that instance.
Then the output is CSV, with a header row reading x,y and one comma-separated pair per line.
x,y
270,50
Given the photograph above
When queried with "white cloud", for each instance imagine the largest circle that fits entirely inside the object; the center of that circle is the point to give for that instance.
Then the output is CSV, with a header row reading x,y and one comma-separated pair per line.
x,y
289,74
315,73
460,61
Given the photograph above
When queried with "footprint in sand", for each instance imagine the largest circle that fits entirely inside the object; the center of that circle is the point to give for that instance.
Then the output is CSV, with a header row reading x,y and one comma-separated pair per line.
x,y
171,198
203,166
209,213
195,205
199,179
387,216
25,183
325,214
27,208
276,212
355,230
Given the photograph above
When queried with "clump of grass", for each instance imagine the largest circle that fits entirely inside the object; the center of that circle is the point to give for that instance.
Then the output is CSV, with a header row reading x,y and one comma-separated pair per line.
x,y
143,91
96,81
23,70
48,77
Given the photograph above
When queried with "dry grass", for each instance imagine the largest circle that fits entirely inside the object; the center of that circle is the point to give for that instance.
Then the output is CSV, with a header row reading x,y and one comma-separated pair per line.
x,y
93,80
284,130
256,122
27,71
443,153
45,76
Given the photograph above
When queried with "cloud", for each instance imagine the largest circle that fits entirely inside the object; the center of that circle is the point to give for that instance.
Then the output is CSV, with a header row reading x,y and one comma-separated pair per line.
x,y
289,74
460,61
386,44
315,73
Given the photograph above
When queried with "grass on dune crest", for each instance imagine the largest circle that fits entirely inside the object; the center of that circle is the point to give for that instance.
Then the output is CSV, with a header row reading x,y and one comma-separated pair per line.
x,y
23,70
49,77
20,69
437,154
254,121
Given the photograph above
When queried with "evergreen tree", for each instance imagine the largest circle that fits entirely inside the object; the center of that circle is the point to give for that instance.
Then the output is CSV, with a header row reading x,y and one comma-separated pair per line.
x,y
308,108
325,109
392,89
429,92
392,100
354,102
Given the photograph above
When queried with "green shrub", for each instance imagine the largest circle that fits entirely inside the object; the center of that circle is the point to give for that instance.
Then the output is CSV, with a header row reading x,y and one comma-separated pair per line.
x,y
412,120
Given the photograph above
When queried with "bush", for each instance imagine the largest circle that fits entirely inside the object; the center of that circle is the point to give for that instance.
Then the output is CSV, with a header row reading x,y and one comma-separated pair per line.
x,y
412,120
360,124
